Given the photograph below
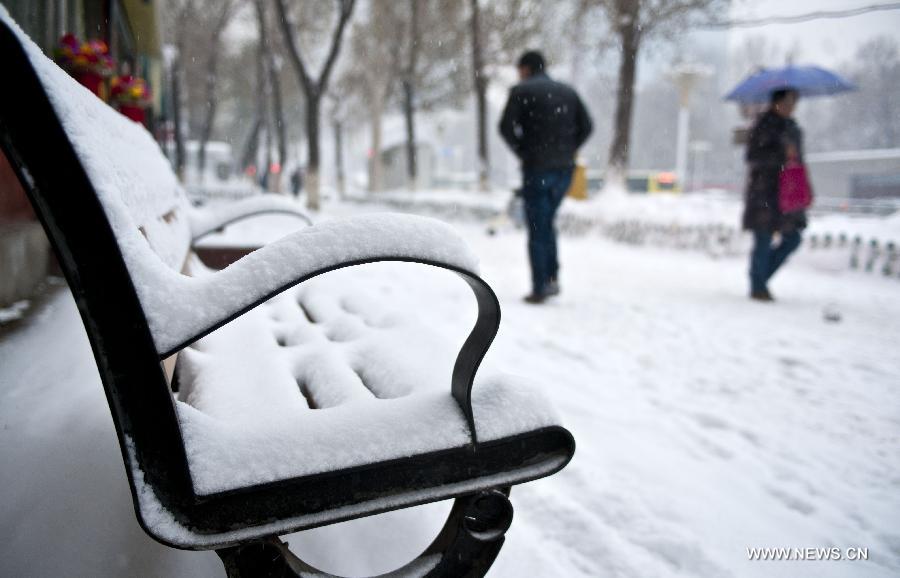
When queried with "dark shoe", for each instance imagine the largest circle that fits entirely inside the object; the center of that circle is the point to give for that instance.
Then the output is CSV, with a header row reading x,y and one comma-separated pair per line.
x,y
763,295
552,288
535,298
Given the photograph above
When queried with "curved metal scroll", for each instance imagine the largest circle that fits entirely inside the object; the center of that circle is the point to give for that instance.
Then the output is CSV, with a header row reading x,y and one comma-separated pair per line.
x,y
475,347
467,546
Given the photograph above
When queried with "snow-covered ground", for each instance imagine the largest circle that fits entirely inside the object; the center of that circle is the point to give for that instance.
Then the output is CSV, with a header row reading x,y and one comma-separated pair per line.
x,y
706,424
712,207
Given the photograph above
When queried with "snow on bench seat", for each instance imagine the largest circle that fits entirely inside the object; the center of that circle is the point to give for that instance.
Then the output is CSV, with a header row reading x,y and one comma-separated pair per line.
x,y
323,378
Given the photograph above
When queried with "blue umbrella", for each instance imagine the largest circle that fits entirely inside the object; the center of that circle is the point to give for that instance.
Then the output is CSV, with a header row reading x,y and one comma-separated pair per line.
x,y
807,80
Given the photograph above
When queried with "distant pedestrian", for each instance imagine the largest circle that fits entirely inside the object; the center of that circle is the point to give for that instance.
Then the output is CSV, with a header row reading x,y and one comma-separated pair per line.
x,y
544,124
296,182
775,140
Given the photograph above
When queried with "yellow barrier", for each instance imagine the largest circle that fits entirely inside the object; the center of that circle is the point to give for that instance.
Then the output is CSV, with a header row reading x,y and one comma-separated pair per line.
x,y
578,188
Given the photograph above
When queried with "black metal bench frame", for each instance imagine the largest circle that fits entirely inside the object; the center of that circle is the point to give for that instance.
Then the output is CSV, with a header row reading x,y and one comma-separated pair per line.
x,y
141,403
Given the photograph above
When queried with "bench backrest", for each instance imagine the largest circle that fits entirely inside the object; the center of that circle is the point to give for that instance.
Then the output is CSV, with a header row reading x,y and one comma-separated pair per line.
x,y
103,192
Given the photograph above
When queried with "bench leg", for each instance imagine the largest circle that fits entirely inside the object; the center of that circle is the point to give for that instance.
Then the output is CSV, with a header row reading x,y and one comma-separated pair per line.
x,y
467,546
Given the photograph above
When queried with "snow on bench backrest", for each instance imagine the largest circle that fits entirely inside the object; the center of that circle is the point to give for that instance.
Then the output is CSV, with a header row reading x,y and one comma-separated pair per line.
x,y
143,201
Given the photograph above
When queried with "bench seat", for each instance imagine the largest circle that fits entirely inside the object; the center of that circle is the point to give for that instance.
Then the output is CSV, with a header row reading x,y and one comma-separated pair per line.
x,y
311,382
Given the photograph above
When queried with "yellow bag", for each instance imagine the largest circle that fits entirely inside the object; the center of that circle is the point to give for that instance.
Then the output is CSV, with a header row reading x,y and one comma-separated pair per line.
x,y
578,188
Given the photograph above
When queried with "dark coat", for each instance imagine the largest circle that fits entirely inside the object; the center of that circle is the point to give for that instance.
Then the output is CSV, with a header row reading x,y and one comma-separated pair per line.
x,y
545,123
766,156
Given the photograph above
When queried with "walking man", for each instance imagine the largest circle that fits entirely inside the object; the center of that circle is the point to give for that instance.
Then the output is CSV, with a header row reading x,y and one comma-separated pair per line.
x,y
544,123
775,140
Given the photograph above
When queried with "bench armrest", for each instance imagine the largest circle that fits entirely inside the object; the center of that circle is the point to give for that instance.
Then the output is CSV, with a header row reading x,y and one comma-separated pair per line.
x,y
196,306
210,218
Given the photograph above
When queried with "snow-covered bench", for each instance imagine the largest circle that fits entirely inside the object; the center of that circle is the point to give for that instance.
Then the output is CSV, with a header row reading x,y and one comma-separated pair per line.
x,y
258,433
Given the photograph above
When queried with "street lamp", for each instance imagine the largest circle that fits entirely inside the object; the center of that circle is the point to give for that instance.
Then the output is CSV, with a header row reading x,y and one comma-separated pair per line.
x,y
685,77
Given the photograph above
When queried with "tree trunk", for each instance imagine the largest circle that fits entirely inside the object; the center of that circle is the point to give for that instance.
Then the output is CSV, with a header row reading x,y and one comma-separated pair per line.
x,y
630,37
409,96
376,168
339,157
409,113
269,78
251,146
312,164
480,81
278,119
261,127
212,73
483,160
212,105
267,164
177,121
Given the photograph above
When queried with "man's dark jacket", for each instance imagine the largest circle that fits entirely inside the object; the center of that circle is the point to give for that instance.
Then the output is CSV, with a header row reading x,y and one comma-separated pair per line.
x,y
766,156
544,123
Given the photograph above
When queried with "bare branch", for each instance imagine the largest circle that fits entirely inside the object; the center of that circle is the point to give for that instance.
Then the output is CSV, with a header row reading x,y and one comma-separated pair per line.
x,y
336,39
287,31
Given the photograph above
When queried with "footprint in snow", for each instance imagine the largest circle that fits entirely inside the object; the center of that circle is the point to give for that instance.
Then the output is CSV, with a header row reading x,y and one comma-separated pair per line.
x,y
793,502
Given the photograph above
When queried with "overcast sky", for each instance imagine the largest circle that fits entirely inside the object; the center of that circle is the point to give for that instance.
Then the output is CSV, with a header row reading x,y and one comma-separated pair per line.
x,y
825,42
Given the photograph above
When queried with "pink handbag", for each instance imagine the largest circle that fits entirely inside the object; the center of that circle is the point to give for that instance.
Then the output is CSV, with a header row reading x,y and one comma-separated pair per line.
x,y
794,191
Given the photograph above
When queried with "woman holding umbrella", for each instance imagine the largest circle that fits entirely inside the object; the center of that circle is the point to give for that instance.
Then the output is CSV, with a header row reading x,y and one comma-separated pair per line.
x,y
775,140
775,157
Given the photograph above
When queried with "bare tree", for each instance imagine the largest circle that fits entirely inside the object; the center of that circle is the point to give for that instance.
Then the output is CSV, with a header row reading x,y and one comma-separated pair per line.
x,y
756,52
480,83
223,11
278,119
178,15
625,14
394,64
409,88
251,143
195,28
877,73
634,21
177,75
430,75
177,122
375,71
497,31
579,26
270,109
863,119
314,87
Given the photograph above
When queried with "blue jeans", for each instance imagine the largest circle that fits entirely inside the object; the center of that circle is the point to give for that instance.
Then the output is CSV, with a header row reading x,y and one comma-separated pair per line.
x,y
543,192
766,259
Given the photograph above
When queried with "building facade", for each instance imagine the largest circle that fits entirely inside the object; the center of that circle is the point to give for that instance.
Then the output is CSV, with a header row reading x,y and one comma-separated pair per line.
x,y
130,29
